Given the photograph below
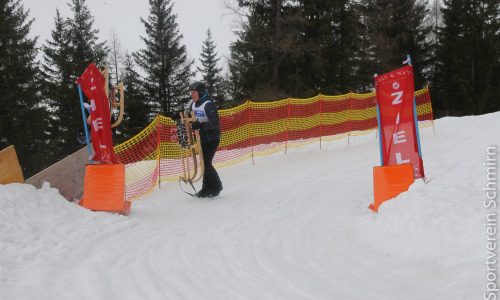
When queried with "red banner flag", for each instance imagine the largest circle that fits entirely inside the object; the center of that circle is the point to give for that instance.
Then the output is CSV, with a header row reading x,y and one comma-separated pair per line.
x,y
92,84
398,131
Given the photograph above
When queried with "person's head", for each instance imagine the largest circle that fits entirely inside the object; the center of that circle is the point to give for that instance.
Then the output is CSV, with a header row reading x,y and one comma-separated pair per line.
x,y
197,89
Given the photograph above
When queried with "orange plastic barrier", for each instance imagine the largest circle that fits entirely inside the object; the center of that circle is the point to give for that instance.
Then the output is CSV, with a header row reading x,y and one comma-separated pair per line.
x,y
104,189
389,182
255,129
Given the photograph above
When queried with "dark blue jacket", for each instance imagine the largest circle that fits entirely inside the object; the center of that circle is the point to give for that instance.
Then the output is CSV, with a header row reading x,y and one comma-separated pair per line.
x,y
211,129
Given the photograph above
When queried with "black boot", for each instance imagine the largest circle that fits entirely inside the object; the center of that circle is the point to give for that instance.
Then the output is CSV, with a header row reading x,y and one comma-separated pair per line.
x,y
205,189
203,193
215,191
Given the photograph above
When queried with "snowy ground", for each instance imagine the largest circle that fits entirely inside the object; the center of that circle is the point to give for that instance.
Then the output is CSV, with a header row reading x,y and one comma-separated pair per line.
x,y
294,226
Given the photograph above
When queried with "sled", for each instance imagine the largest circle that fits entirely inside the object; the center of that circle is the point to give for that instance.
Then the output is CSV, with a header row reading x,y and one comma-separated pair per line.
x,y
189,141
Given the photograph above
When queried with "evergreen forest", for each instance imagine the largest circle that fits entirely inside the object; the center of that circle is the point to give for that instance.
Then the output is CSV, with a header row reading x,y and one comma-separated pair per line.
x,y
282,48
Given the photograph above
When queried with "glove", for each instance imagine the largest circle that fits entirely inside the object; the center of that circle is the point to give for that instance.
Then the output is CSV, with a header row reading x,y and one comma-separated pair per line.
x,y
175,116
197,125
88,107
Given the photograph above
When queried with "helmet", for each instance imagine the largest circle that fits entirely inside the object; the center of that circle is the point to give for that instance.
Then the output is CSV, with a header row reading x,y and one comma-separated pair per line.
x,y
198,86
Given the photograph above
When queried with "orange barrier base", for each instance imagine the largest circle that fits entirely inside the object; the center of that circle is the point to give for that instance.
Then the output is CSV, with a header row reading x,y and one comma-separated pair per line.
x,y
390,181
104,189
125,211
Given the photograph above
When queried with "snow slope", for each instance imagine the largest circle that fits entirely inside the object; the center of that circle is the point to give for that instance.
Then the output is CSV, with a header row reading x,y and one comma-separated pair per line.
x,y
294,226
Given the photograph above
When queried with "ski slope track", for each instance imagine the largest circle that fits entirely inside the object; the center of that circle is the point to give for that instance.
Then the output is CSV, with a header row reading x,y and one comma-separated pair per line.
x,y
294,226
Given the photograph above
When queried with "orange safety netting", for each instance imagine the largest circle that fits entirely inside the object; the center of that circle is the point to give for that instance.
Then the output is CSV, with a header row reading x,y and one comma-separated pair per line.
x,y
255,129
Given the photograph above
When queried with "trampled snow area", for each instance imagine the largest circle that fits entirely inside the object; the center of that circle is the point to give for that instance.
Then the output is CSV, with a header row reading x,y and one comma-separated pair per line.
x,y
294,226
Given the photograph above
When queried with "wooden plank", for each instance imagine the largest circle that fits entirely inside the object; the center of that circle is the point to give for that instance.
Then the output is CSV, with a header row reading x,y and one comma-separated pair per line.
x,y
10,170
66,175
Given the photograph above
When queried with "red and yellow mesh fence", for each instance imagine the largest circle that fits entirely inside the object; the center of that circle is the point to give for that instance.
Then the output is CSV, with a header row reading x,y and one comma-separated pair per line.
x,y
255,129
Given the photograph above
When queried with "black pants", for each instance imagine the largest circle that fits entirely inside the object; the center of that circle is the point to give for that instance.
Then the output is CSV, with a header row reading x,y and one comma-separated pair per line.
x,y
211,180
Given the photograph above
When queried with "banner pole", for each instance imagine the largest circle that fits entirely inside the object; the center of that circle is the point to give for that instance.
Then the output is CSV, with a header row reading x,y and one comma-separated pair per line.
x,y
85,123
408,59
379,129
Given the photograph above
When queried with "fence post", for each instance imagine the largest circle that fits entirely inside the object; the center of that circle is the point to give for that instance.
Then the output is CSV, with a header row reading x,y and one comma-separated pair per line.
x,y
158,145
430,104
287,124
320,121
249,107
350,113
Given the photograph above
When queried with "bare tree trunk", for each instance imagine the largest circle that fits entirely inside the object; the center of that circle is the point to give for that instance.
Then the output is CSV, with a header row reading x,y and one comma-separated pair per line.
x,y
116,55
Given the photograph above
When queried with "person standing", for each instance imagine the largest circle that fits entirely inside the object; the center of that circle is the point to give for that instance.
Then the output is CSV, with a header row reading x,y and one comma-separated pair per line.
x,y
208,124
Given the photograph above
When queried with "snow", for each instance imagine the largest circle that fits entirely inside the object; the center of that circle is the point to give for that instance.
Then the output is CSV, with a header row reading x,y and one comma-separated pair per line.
x,y
294,226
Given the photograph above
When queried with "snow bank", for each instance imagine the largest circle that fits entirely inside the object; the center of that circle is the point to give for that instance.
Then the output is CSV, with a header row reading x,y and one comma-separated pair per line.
x,y
294,226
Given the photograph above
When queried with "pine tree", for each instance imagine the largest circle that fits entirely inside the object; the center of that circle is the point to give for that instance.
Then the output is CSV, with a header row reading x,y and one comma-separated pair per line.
x,y
268,45
298,48
398,28
137,114
366,61
435,21
468,58
115,59
164,60
84,38
22,114
73,46
210,71
58,87
330,47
